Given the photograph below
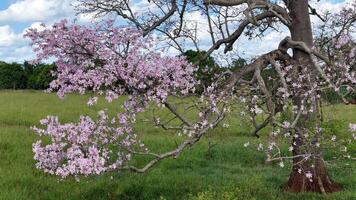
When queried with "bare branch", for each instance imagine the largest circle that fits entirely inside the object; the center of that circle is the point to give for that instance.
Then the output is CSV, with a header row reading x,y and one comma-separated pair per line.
x,y
261,126
175,112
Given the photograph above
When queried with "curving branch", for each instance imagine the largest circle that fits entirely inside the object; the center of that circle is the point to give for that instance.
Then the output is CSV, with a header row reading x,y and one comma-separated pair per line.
x,y
314,12
176,152
279,11
236,77
175,112
229,41
259,127
157,23
122,8
261,83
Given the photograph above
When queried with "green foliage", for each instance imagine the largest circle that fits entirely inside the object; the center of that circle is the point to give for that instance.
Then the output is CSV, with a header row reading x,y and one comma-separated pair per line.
x,y
238,64
12,76
233,172
207,69
41,76
26,76
332,97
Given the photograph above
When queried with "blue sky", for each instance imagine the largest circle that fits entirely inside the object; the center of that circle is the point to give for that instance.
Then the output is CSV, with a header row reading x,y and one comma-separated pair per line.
x,y
16,26
18,15
5,3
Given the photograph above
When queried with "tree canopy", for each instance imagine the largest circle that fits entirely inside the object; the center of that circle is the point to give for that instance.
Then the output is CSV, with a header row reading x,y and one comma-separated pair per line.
x,y
284,88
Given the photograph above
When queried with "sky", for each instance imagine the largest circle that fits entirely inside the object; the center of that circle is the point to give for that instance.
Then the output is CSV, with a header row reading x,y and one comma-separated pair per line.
x,y
16,16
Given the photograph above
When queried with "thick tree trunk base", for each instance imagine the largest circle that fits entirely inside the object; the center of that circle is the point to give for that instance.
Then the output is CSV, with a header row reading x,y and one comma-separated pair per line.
x,y
321,183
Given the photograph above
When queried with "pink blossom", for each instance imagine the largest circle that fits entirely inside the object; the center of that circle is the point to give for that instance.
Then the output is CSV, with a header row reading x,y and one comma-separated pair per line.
x,y
352,127
110,61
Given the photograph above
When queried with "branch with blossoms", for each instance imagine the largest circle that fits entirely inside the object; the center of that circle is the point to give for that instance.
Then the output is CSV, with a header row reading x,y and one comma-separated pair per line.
x,y
127,67
103,58
114,62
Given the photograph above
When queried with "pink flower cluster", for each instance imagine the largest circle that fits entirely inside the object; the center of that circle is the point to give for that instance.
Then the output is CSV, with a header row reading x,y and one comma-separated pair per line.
x,y
110,61
104,57
342,41
82,148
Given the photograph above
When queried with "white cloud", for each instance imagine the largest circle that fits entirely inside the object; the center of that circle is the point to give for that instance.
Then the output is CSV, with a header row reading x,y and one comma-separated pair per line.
x,y
16,54
327,6
250,48
35,10
86,18
14,47
7,36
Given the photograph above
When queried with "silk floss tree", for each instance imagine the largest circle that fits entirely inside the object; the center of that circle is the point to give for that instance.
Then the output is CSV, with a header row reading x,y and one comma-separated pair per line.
x,y
112,61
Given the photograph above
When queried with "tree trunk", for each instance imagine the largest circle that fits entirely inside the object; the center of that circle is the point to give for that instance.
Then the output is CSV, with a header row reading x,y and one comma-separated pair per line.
x,y
298,179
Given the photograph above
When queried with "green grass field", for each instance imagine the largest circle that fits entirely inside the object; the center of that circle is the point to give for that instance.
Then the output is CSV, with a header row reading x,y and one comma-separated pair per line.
x,y
229,172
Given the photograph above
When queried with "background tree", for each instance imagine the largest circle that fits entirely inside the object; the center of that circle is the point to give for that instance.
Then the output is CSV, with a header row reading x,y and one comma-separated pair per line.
x,y
40,77
12,76
104,59
207,70
26,76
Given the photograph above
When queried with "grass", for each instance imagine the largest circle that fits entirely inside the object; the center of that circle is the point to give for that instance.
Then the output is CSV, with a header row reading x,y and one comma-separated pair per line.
x,y
231,171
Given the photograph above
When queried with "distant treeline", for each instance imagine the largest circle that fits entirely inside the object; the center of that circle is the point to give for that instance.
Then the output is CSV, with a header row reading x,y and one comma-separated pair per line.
x,y
25,76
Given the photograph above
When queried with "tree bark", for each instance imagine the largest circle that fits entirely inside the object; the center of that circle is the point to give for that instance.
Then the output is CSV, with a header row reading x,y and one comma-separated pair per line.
x,y
298,181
